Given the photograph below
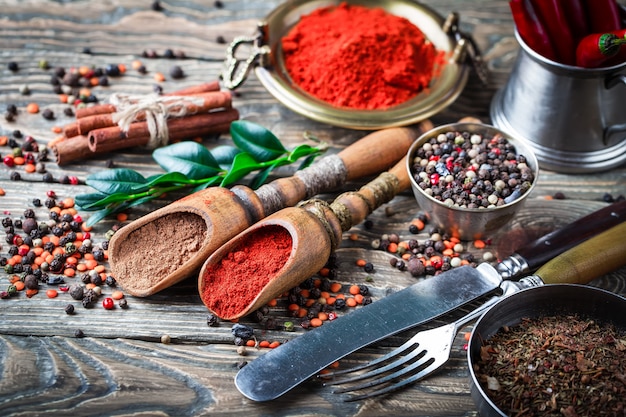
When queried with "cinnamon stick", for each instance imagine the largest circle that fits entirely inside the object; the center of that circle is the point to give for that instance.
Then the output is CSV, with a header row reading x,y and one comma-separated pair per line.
x,y
109,108
206,102
95,109
114,138
70,130
71,149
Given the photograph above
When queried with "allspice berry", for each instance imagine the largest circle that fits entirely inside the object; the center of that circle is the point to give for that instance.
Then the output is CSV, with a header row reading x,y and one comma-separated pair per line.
x,y
30,282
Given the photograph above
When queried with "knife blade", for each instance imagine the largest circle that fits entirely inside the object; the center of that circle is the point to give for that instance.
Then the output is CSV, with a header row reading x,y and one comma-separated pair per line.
x,y
281,369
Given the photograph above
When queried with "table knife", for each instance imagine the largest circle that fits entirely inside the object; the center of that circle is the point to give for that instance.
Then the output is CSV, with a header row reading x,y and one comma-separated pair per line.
x,y
281,369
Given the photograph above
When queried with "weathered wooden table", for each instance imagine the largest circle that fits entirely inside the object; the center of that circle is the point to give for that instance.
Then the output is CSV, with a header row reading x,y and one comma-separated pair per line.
x,y
121,367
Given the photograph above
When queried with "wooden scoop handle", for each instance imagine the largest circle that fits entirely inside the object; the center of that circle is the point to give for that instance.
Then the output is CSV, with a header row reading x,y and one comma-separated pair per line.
x,y
598,256
370,155
379,150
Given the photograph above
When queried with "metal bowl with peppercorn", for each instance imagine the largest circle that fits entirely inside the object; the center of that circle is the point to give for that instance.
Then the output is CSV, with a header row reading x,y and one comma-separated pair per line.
x,y
471,178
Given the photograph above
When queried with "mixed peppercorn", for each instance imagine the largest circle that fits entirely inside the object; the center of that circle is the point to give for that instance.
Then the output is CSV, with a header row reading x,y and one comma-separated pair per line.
x,y
469,170
57,253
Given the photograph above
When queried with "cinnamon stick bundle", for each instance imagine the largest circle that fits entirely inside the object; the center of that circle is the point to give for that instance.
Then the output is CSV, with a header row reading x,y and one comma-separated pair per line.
x,y
110,108
114,138
201,103
202,109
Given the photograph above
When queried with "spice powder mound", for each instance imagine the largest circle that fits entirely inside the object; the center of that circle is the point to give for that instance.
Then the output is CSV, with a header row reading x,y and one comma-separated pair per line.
x,y
234,282
159,248
356,57
555,366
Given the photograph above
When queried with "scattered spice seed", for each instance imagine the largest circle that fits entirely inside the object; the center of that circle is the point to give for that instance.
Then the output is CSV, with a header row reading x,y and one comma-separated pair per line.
x,y
32,108
316,322
108,303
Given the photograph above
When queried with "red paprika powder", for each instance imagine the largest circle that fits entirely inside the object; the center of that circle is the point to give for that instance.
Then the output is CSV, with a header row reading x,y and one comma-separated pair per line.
x,y
361,58
235,281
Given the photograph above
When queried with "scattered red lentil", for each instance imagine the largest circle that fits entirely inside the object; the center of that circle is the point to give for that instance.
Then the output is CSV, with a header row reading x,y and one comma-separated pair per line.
x,y
117,295
32,108
355,289
316,322
479,244
51,293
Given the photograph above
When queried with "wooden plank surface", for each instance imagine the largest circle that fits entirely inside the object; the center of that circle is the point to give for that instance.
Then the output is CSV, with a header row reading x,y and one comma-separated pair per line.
x,y
121,367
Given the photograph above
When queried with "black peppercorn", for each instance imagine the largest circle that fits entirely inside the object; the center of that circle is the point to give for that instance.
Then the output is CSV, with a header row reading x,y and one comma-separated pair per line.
x,y
176,72
69,309
242,331
76,292
48,114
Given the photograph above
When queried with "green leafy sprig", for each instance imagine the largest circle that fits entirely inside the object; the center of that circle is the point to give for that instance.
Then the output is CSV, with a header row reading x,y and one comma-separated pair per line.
x,y
191,166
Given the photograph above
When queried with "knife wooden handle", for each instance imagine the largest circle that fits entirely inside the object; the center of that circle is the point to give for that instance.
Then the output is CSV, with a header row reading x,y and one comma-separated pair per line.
x,y
549,246
381,149
591,259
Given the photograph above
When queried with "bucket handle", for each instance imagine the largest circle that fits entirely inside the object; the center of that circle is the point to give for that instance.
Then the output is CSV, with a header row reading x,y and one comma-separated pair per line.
x,y
236,70
609,83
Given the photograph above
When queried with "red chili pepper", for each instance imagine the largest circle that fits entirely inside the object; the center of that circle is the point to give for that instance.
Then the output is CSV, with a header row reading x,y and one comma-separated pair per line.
x,y
620,58
603,15
577,18
597,49
557,27
531,28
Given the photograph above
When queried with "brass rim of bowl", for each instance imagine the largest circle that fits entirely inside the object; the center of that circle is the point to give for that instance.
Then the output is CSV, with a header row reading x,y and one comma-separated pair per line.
x,y
520,147
444,89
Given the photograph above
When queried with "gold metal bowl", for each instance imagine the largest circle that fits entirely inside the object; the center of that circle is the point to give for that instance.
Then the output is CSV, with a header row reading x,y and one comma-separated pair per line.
x,y
266,57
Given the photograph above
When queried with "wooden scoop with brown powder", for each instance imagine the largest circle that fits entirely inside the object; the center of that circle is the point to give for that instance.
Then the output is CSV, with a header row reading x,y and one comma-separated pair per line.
x,y
170,244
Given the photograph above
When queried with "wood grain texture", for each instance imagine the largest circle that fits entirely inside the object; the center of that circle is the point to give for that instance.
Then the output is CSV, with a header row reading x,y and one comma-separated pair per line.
x,y
121,367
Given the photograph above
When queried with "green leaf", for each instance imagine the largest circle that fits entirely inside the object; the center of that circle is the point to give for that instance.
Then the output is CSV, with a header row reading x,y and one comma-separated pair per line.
x,y
307,161
99,215
187,157
243,164
256,140
260,178
225,155
169,178
118,180
300,151
88,200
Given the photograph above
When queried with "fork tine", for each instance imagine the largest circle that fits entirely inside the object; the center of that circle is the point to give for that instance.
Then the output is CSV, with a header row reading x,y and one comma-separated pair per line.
x,y
433,366
423,360
397,351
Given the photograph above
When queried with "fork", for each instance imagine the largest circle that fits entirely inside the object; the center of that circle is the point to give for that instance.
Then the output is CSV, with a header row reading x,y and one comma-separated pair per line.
x,y
426,351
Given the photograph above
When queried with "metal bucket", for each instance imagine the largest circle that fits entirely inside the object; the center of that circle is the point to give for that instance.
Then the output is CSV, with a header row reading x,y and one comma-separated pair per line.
x,y
572,117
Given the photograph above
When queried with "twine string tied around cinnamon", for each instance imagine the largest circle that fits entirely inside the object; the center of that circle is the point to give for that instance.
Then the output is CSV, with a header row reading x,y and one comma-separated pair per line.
x,y
155,109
